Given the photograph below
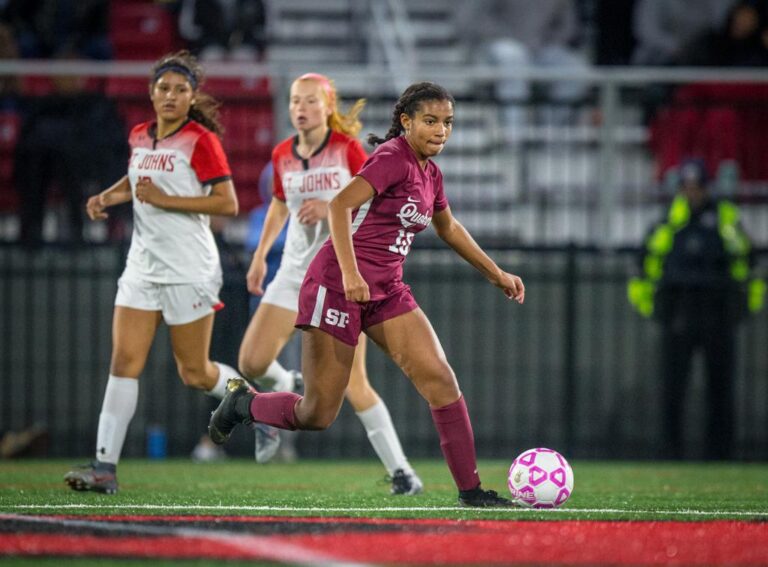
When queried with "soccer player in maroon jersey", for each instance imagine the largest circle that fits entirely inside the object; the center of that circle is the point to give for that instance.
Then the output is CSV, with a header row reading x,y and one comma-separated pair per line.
x,y
355,284
310,168
177,176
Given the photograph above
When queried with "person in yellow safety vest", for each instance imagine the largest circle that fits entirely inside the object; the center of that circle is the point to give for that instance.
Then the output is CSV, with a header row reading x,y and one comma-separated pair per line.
x,y
698,282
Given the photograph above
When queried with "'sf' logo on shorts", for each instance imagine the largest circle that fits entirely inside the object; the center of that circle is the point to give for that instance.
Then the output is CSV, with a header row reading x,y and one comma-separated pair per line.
x,y
336,318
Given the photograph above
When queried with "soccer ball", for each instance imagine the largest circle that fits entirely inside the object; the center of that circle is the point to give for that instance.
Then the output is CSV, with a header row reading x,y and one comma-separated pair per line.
x,y
540,478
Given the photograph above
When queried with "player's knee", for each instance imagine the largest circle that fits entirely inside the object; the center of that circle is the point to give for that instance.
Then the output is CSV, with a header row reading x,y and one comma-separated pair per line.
x,y
194,377
123,364
318,422
315,417
250,366
359,392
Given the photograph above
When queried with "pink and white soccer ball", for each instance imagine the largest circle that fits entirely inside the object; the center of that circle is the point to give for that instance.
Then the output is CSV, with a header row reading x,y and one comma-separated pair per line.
x,y
540,478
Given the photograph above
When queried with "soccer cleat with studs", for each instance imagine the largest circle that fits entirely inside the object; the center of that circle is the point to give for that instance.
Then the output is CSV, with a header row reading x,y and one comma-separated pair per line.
x,y
479,498
95,476
235,408
405,483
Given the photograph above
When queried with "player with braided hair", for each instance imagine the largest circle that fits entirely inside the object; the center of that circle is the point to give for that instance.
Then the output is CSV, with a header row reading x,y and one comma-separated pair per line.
x,y
177,176
310,168
355,284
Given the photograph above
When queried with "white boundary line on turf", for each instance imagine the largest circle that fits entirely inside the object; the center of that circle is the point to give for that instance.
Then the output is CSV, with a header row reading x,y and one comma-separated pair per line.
x,y
221,507
258,547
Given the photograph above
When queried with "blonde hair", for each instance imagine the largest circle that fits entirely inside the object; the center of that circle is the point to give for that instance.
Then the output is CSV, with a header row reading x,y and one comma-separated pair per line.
x,y
347,123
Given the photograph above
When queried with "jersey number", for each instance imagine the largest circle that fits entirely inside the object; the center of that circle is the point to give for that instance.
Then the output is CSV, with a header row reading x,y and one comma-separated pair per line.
x,y
402,243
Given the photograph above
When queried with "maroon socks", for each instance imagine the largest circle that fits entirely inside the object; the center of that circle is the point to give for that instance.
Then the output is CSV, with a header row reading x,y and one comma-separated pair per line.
x,y
275,409
458,443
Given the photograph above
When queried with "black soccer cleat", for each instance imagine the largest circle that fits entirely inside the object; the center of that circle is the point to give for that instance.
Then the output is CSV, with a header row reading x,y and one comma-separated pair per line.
x,y
95,476
408,484
479,498
234,408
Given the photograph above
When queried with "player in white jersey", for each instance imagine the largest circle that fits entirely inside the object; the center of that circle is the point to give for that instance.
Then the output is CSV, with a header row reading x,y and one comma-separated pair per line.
x,y
177,176
310,168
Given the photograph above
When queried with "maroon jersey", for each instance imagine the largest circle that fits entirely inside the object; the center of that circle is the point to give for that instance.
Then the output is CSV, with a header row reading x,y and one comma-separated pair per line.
x,y
383,228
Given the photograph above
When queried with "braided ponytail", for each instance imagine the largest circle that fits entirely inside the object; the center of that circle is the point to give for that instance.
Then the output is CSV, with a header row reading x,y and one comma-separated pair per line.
x,y
409,103
206,108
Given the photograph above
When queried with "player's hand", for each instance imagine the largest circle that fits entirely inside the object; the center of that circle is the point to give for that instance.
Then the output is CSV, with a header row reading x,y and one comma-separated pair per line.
x,y
95,207
312,211
355,288
512,286
149,193
254,279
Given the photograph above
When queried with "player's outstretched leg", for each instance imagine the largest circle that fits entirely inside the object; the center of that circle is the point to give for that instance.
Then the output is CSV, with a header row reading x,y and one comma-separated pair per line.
x,y
235,408
95,476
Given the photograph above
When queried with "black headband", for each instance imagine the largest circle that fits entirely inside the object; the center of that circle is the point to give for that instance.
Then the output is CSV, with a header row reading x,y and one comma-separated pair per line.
x,y
176,69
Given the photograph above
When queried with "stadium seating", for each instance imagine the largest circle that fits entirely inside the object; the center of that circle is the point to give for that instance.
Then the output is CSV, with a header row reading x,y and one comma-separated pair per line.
x,y
141,30
9,132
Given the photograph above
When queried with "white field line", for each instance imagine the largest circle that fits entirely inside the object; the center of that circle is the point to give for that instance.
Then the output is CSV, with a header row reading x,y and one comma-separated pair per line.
x,y
256,547
224,508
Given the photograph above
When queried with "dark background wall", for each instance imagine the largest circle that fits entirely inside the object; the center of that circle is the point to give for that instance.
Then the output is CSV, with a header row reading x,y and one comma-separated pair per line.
x,y
573,368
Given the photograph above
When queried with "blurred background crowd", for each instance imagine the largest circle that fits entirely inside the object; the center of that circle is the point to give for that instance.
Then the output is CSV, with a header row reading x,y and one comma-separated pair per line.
x,y
47,120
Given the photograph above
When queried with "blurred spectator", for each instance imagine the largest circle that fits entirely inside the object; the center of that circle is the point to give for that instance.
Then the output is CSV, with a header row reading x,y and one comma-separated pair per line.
x,y
614,40
514,34
698,283
741,41
224,29
70,138
663,28
47,28
725,124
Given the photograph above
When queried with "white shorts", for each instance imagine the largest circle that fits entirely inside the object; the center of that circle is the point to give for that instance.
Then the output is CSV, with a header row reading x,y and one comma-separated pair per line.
x,y
283,290
179,303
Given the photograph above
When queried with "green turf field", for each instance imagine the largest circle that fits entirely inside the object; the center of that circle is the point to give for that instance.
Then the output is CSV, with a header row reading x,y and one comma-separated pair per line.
x,y
602,490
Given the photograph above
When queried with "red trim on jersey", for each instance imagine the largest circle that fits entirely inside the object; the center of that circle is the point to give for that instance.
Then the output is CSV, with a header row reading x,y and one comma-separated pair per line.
x,y
355,155
219,306
208,158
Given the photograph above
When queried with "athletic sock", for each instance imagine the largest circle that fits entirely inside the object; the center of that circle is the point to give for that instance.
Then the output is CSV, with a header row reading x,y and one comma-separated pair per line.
x,y
117,411
458,443
277,378
275,409
382,435
225,373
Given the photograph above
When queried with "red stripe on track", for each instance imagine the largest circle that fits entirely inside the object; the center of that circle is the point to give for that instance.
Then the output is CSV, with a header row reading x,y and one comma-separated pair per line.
x,y
480,542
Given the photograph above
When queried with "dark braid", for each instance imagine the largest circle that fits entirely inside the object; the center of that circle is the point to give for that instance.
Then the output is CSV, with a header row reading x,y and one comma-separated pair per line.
x,y
409,103
206,108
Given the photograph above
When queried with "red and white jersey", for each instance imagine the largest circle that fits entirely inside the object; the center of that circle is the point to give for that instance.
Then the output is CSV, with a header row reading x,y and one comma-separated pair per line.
x,y
170,246
321,176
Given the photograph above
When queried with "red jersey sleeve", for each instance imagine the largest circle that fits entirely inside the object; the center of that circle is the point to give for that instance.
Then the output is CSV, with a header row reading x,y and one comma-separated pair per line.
x,y
356,156
209,160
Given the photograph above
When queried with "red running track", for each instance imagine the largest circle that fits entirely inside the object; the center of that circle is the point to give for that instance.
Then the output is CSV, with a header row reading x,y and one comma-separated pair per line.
x,y
418,542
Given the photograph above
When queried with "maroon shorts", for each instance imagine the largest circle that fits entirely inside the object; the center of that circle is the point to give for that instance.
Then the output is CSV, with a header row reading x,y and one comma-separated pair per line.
x,y
330,311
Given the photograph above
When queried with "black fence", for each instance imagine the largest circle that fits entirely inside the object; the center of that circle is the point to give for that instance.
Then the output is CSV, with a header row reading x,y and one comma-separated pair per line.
x,y
574,368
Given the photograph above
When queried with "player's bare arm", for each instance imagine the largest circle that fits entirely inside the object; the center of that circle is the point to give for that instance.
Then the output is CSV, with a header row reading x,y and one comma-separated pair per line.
x,y
277,215
221,201
312,211
453,233
357,192
117,194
